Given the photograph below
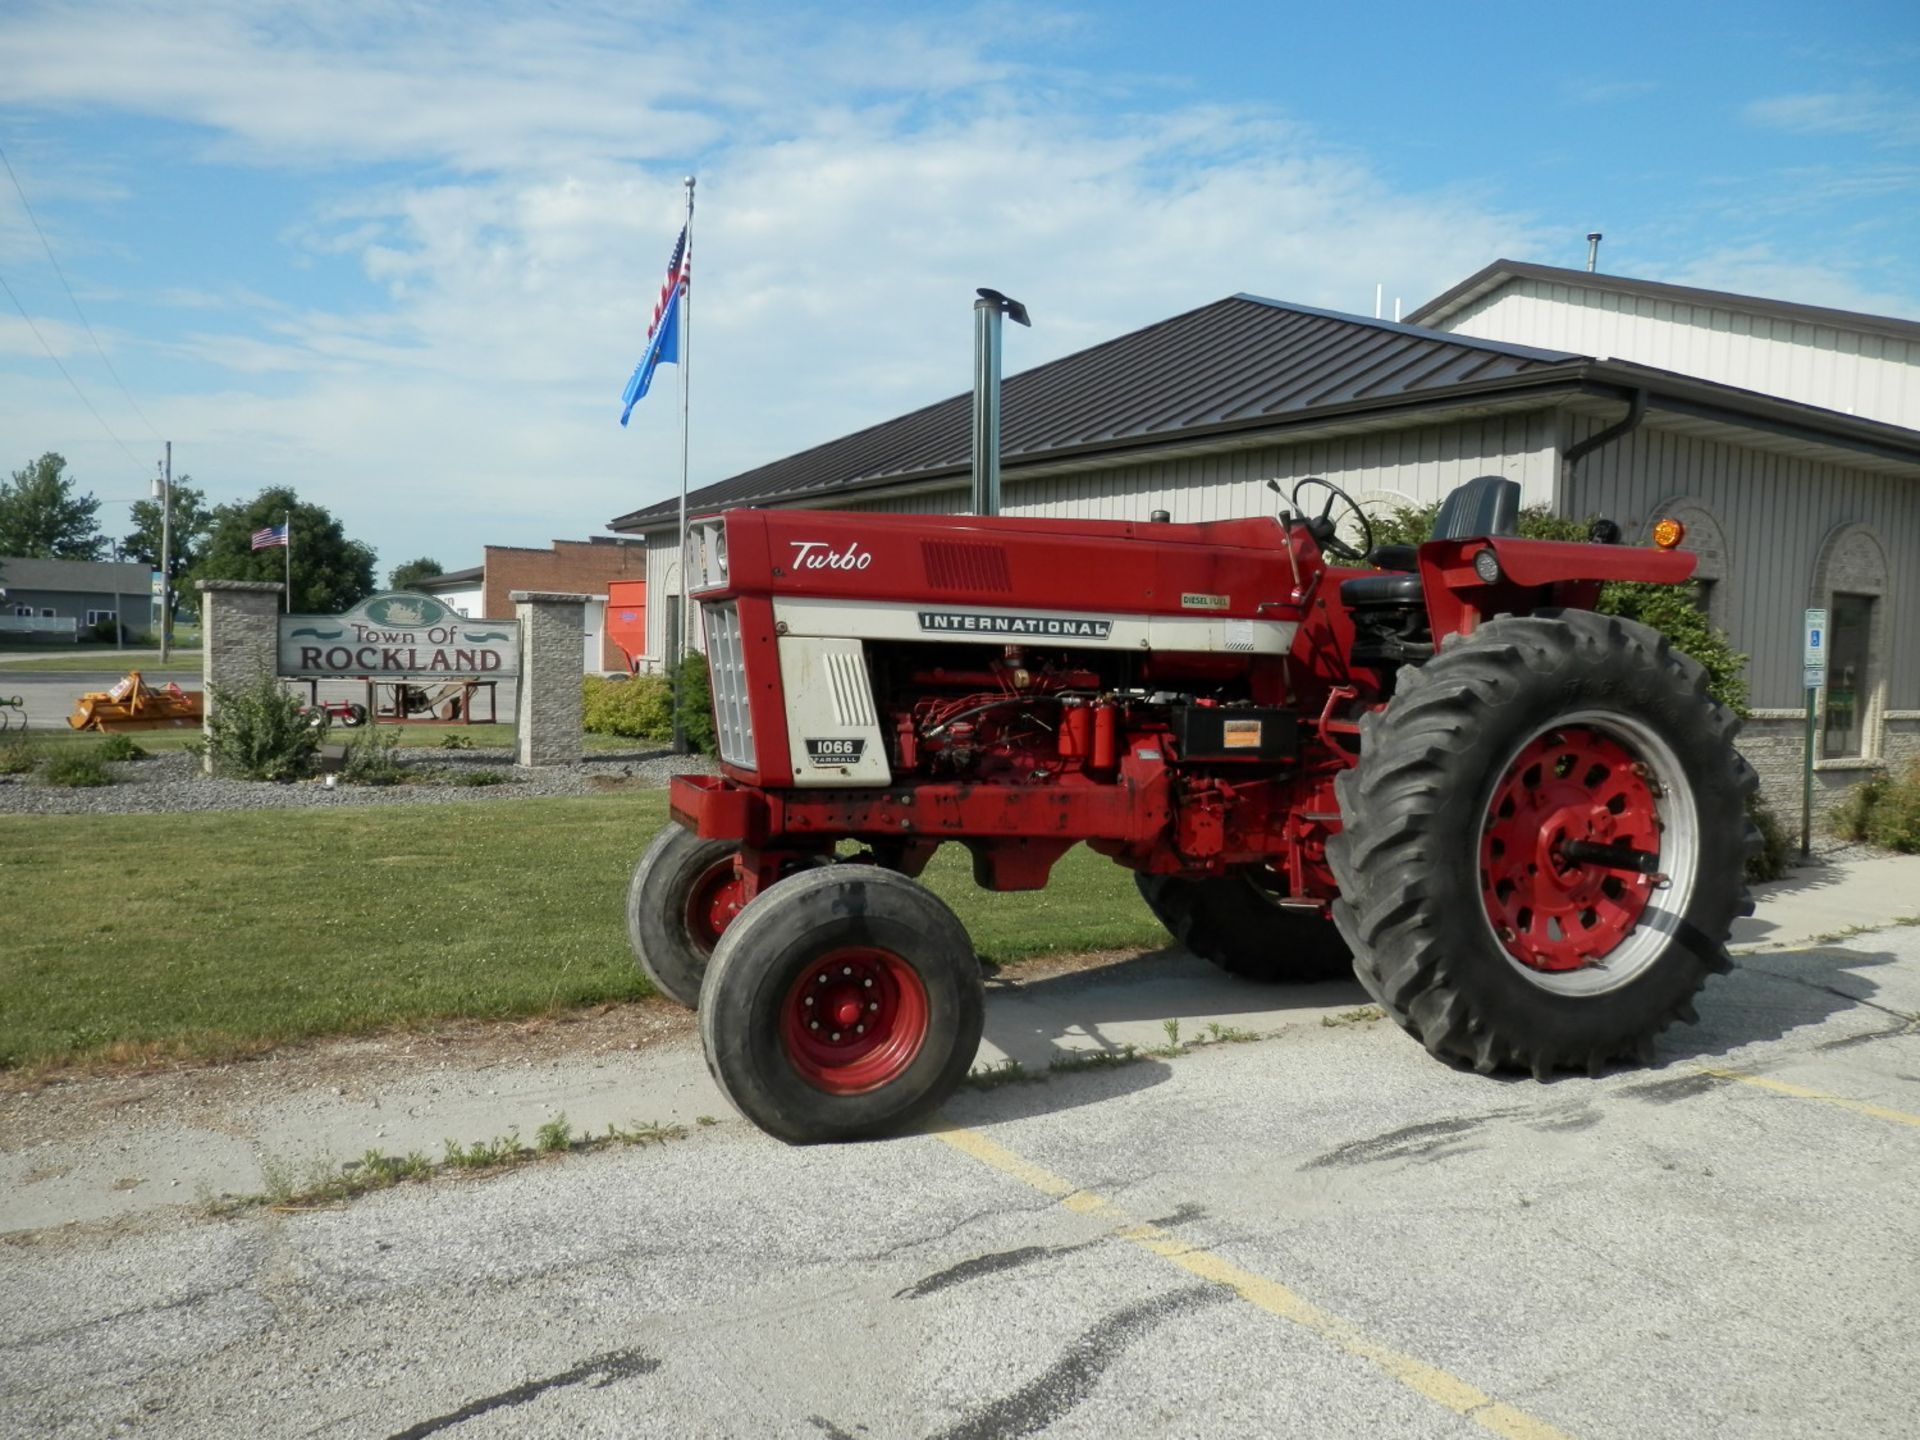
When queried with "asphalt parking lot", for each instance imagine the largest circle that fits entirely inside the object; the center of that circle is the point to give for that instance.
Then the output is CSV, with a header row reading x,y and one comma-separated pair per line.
x,y
1322,1232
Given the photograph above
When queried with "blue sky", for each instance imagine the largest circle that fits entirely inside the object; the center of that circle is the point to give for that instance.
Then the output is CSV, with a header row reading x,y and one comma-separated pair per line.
x,y
402,255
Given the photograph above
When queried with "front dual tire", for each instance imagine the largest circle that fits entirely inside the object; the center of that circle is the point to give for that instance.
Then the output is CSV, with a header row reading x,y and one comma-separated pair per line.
x,y
844,1003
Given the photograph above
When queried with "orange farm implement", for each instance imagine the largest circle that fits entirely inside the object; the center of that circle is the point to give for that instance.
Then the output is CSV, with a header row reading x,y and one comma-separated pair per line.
x,y
132,704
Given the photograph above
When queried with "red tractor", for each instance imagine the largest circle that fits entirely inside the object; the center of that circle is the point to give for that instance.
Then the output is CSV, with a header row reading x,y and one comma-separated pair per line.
x,y
1520,823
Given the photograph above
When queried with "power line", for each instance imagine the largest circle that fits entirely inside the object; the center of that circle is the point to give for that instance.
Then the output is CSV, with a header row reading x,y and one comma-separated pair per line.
x,y
64,371
87,325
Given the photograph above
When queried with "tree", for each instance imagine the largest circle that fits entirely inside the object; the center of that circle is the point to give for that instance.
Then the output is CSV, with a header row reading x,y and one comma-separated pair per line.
x,y
192,525
409,575
42,519
330,572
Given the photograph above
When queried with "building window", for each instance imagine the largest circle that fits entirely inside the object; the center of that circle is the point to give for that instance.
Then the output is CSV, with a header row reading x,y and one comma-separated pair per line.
x,y
23,612
1849,624
94,617
47,614
1703,595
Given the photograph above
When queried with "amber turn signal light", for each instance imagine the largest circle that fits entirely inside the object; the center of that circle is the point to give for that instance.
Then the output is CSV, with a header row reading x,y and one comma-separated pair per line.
x,y
1668,533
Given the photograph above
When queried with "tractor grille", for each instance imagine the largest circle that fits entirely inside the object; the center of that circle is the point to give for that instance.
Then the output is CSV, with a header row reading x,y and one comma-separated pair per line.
x,y
727,664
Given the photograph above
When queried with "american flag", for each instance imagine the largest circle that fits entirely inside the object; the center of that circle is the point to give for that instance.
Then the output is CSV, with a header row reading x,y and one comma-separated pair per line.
x,y
271,536
679,271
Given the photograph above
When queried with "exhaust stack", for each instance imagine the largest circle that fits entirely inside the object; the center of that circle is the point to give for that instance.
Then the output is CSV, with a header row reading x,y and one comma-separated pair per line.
x,y
987,311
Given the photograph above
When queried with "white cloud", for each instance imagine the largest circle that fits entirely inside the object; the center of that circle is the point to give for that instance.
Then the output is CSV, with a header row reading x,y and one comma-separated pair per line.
x,y
1889,118
856,184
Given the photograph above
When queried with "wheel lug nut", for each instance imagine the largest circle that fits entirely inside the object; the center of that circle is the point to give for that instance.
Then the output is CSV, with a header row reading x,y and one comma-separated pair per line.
x,y
834,1036
859,1029
873,1005
809,999
813,1024
823,979
846,969
867,983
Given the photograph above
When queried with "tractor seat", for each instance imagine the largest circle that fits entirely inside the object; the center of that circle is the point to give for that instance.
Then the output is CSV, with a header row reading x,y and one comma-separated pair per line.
x,y
1366,592
1485,505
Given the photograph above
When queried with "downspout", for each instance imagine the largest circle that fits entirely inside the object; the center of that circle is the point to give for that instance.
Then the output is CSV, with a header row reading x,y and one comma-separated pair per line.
x,y
1575,453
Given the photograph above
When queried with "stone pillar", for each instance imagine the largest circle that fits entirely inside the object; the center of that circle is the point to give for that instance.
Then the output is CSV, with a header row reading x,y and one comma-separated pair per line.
x,y
548,705
240,636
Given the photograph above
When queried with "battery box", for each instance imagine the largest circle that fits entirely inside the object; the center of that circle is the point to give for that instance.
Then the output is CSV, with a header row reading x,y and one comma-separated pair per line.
x,y
1211,732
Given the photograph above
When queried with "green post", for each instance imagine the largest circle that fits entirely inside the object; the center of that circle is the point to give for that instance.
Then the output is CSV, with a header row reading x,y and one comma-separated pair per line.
x,y
1806,783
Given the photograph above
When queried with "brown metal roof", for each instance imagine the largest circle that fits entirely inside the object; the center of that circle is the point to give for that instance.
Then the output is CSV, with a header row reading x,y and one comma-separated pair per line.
x,y
1500,272
1241,363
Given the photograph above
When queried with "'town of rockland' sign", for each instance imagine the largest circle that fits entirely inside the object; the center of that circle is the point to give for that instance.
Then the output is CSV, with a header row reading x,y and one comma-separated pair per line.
x,y
398,637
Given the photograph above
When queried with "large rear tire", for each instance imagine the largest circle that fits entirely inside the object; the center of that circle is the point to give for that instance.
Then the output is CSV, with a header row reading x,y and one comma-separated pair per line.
x,y
1483,915
1232,921
684,893
845,1003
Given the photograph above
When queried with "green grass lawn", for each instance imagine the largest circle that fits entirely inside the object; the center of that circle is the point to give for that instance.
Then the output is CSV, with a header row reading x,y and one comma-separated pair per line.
x,y
63,660
126,936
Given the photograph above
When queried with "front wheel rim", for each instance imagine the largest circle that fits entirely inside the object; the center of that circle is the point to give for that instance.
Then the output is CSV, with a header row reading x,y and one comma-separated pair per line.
x,y
854,1020
1592,780
713,901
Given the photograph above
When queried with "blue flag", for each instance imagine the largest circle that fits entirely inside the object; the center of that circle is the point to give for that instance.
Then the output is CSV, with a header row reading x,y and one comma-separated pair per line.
x,y
663,348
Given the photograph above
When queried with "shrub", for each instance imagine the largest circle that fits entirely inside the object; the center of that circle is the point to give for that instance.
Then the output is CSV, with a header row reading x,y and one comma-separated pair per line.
x,y
1771,861
637,706
477,777
373,758
1852,816
1884,812
261,734
17,757
78,769
120,747
695,692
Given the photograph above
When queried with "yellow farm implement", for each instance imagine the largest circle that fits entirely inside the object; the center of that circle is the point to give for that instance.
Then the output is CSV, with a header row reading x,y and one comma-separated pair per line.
x,y
132,704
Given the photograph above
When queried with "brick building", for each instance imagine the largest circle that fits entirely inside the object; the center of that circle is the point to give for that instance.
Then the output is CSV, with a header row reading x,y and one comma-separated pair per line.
x,y
582,567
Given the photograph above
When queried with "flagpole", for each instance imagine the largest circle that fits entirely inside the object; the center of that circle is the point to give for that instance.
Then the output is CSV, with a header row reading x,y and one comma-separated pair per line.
x,y
287,516
686,354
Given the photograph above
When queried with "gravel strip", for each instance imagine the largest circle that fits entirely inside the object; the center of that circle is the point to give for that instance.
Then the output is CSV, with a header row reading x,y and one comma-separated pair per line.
x,y
174,783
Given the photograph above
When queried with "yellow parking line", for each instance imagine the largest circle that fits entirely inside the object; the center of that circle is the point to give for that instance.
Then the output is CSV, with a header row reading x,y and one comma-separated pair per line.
x,y
1801,1092
1437,1385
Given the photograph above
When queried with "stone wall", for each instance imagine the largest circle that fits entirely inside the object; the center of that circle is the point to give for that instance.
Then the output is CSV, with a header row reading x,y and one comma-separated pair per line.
x,y
240,637
550,708
1774,742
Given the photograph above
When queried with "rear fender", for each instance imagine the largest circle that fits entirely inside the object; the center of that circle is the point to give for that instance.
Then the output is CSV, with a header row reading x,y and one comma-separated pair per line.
x,y
1534,575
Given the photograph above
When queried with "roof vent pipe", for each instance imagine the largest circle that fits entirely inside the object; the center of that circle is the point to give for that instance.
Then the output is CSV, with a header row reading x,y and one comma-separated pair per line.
x,y
987,311
1593,250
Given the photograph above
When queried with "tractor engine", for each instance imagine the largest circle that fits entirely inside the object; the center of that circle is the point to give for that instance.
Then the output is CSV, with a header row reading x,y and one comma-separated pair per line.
x,y
903,680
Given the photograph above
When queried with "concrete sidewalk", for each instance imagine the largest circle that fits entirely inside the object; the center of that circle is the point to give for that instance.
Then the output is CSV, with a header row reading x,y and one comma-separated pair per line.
x,y
97,1149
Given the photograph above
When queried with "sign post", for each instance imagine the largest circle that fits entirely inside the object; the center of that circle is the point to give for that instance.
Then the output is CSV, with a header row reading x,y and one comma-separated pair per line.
x,y
1813,664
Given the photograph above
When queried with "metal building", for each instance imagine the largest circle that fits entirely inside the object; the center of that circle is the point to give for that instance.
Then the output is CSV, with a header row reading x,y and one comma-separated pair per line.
x,y
1788,501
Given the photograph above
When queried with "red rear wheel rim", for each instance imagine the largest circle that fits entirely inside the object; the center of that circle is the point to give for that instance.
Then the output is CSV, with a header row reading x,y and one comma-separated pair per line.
x,y
854,1020
713,901
1574,783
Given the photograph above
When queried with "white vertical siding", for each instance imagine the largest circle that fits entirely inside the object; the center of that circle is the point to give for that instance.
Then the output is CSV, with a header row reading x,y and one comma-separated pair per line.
x,y
1413,466
1774,511
1856,372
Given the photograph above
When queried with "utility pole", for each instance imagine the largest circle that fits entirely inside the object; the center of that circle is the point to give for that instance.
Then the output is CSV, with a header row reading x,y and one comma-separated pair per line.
x,y
166,557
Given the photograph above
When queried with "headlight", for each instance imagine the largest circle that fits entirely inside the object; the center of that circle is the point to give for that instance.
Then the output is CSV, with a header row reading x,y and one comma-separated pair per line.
x,y
1486,565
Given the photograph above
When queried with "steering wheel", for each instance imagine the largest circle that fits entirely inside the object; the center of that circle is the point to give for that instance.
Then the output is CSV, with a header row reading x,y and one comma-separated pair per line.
x,y
1332,540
